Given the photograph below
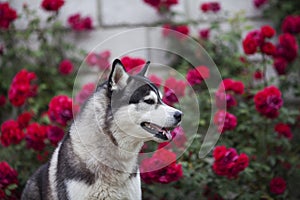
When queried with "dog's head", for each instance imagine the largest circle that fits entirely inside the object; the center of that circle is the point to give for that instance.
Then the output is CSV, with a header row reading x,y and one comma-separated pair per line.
x,y
137,107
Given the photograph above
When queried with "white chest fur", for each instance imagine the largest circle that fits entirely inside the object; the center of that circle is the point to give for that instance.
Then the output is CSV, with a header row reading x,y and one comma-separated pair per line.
x,y
130,190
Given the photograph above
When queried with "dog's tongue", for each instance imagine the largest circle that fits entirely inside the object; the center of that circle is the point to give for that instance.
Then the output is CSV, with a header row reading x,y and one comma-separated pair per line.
x,y
161,130
167,133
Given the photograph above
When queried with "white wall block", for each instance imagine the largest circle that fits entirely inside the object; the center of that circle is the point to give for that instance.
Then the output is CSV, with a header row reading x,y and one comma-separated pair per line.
x,y
129,12
85,8
120,41
228,9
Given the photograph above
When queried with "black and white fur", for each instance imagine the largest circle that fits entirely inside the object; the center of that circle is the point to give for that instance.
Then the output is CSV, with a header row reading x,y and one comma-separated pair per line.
x,y
97,159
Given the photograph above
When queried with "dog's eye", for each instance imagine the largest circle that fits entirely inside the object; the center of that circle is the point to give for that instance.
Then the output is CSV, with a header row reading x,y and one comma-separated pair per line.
x,y
149,101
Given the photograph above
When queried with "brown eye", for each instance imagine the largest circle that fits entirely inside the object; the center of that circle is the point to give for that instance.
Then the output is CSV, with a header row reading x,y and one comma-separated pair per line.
x,y
149,101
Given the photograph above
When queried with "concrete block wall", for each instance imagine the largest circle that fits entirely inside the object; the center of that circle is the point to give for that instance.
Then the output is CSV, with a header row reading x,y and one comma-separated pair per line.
x,y
114,21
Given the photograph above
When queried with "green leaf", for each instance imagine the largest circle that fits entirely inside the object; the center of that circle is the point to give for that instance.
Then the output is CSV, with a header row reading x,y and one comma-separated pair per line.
x,y
12,186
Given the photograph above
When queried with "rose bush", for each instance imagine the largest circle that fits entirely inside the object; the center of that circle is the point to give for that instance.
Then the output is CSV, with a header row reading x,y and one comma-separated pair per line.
x,y
257,122
31,76
257,154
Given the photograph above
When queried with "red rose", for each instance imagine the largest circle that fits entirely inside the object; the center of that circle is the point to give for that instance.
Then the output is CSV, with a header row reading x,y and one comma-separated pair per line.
x,y
219,152
268,102
243,59
170,98
250,45
7,15
237,166
183,29
52,5
259,3
169,3
24,119
165,174
2,100
178,86
91,59
166,157
237,87
197,75
258,75
147,174
280,65
226,84
221,166
87,23
205,7
78,23
228,163
166,30
178,140
133,65
215,7
291,24
225,121
101,60
204,34
231,85
153,3
173,89
193,77
66,67
2,194
225,100
210,6
267,31
287,47
169,174
54,134
86,91
161,5
277,185
252,41
21,87
35,136
75,22
156,80
225,93
179,31
268,48
8,175
11,133
242,162
60,109
284,130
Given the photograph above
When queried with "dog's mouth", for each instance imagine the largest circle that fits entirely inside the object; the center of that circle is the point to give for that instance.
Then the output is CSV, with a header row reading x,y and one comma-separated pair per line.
x,y
163,133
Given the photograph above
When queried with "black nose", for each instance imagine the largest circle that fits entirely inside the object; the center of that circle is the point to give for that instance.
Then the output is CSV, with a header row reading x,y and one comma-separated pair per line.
x,y
177,116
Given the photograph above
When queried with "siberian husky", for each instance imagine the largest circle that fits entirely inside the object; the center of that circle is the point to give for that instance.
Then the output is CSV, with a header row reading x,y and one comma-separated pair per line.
x,y
97,159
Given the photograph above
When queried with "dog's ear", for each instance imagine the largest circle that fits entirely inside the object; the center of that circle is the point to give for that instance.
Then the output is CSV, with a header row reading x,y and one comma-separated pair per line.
x,y
145,69
118,76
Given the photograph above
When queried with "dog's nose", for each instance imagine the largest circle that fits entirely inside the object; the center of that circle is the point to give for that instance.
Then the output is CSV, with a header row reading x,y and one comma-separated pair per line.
x,y
177,116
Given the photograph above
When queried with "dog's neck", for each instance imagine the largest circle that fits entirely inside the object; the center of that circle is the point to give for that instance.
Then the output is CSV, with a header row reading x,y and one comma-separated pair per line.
x,y
99,142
